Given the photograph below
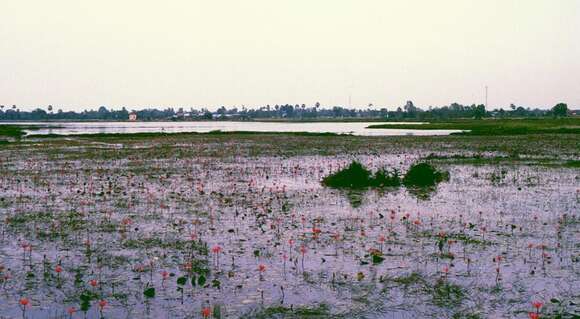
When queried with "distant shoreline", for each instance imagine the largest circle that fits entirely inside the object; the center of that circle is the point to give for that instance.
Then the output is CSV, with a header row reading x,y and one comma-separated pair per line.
x,y
269,120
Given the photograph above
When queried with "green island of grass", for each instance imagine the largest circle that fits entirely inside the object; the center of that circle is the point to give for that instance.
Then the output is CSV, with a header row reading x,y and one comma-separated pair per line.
x,y
525,126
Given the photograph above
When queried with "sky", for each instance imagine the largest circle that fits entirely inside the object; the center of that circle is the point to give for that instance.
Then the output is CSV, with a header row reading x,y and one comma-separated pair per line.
x,y
81,54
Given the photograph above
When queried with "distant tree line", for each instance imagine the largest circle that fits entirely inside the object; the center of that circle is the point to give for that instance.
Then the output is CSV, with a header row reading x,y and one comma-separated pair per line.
x,y
287,111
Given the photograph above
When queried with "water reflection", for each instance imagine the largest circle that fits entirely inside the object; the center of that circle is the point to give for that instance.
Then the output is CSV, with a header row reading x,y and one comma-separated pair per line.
x,y
356,128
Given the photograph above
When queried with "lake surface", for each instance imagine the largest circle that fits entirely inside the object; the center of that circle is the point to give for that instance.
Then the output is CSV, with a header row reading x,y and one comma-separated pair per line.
x,y
354,128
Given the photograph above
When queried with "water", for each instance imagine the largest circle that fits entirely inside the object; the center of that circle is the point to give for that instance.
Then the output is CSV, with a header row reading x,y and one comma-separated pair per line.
x,y
260,211
125,215
354,128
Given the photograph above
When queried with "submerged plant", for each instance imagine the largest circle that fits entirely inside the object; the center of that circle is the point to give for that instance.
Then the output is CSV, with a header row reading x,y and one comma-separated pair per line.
x,y
447,294
316,311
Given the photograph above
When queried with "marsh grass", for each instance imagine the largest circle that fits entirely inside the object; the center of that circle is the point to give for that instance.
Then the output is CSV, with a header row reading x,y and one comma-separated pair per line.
x,y
491,127
273,312
411,279
447,294
16,131
572,164
466,315
11,131
511,160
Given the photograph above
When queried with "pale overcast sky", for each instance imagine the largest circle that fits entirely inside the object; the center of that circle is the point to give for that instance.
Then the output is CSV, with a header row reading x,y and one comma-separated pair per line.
x,y
82,54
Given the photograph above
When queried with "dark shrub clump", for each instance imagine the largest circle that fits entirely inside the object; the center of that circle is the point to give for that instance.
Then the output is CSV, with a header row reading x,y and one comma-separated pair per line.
x,y
424,175
354,176
357,176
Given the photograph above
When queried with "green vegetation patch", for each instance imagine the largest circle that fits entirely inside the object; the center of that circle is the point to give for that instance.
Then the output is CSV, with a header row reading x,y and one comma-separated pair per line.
x,y
466,315
424,175
354,176
29,217
11,131
496,126
447,294
512,159
319,311
421,177
573,164
386,178
411,279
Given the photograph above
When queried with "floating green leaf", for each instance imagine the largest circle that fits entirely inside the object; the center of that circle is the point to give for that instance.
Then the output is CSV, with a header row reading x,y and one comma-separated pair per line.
x,y
149,292
201,280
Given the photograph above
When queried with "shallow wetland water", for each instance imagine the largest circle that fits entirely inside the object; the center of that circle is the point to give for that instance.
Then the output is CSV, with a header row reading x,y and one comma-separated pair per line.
x,y
116,230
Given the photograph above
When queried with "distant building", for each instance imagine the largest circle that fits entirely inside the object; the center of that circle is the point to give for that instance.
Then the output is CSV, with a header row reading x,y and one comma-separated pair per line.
x,y
132,116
